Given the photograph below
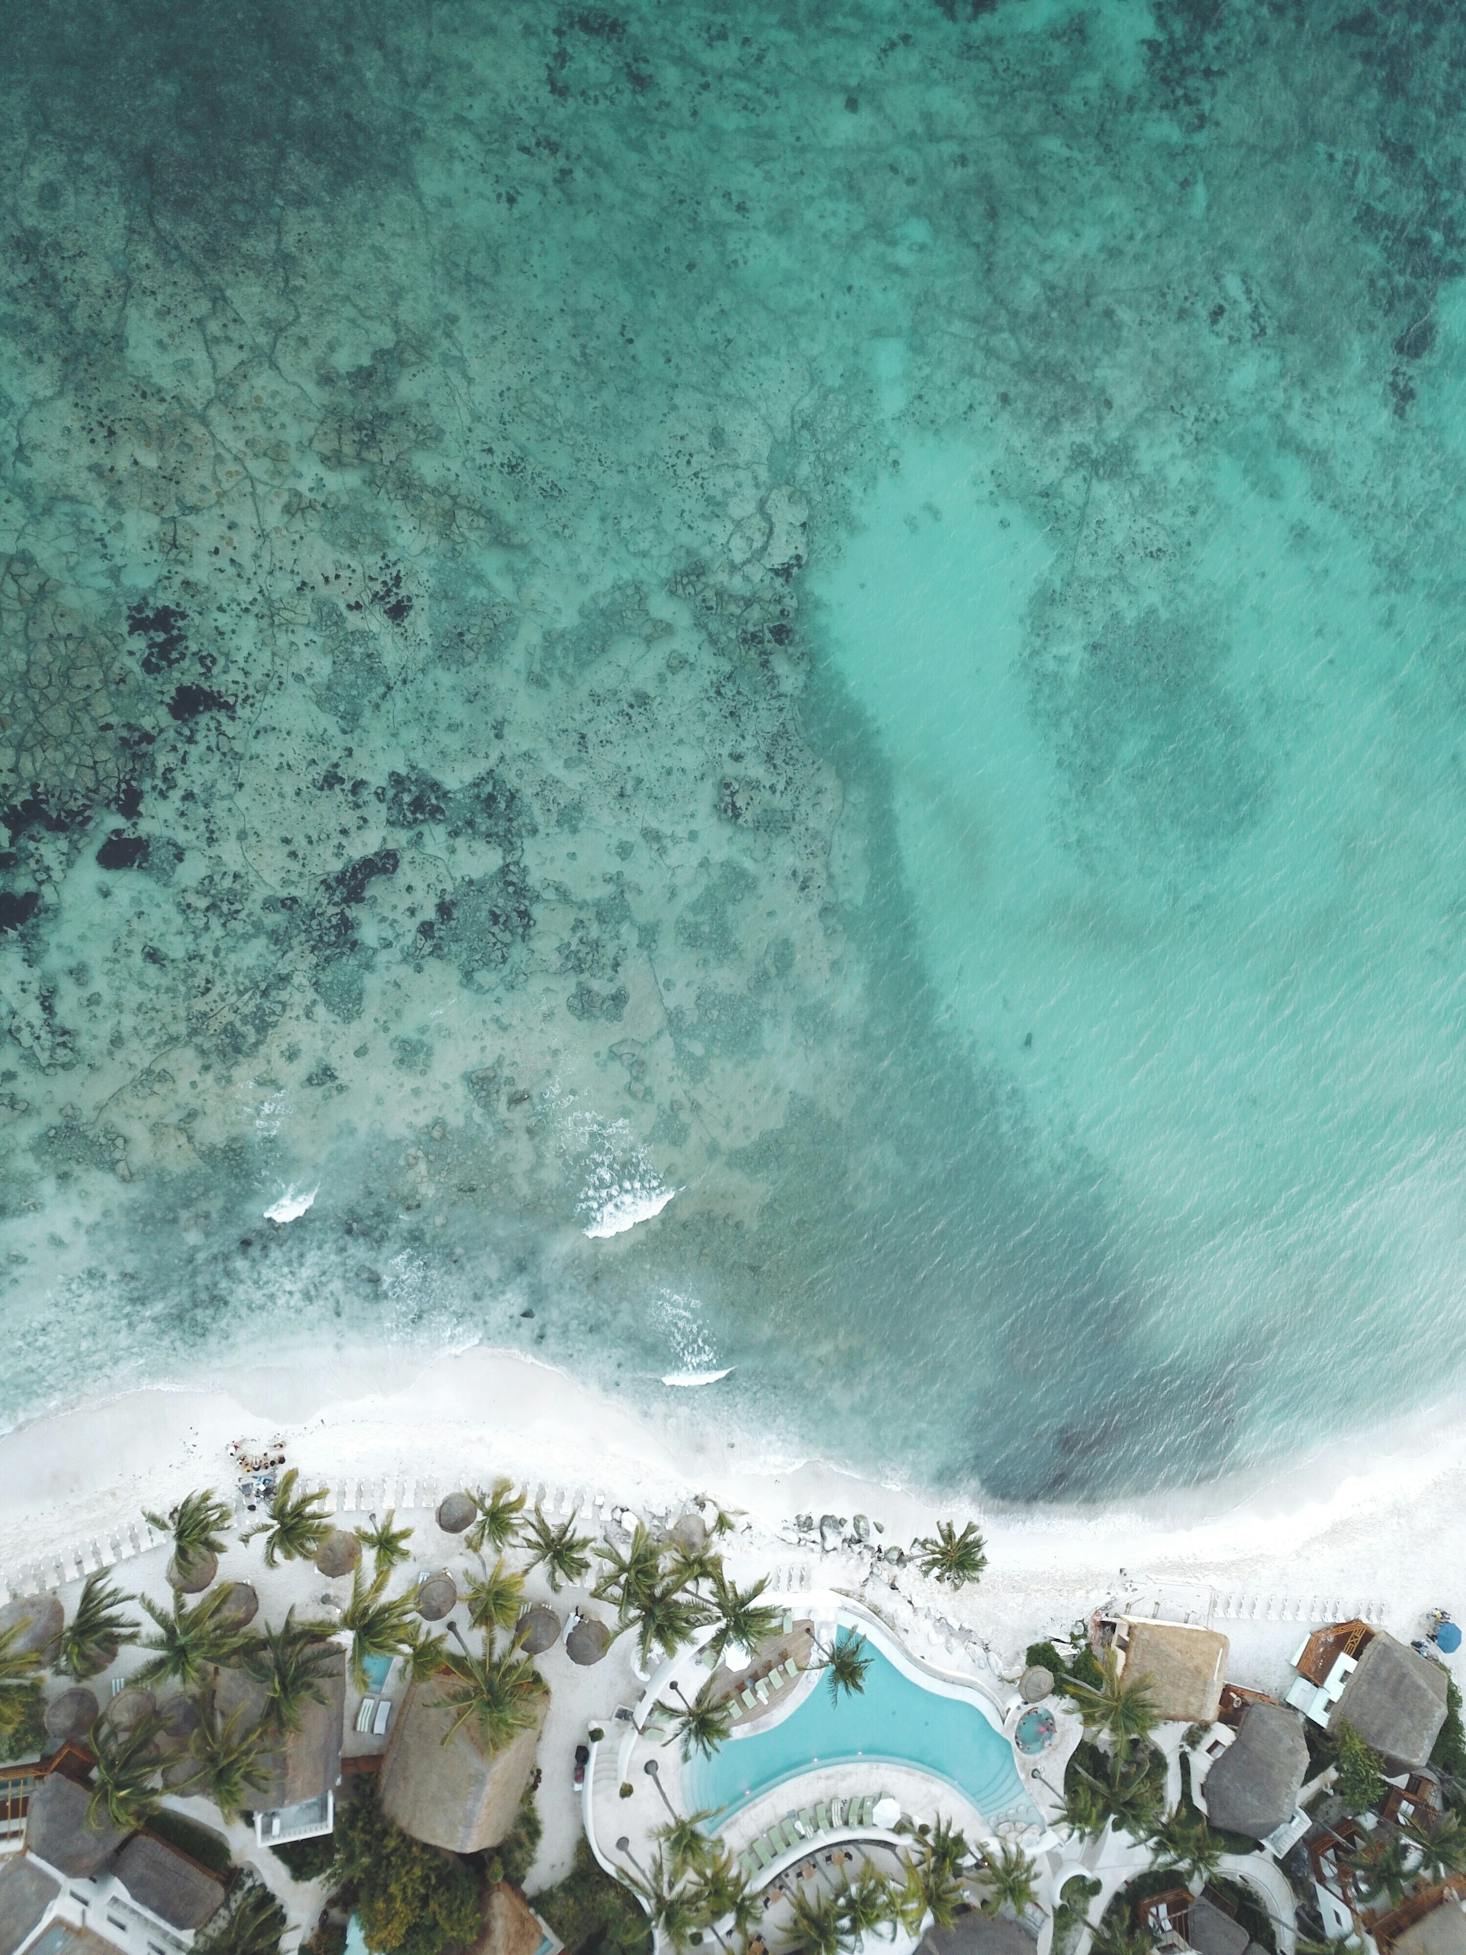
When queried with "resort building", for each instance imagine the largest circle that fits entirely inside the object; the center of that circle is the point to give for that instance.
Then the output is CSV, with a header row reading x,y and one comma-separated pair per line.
x,y
1182,1664
1256,1772
298,1798
979,1934
1178,1920
1354,1674
443,1785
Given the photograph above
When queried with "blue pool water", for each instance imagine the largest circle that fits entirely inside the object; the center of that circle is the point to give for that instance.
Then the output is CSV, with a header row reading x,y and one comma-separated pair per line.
x,y
377,1669
893,1719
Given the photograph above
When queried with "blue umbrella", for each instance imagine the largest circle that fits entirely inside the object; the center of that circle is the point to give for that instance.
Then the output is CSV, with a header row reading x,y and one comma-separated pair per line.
x,y
1448,1637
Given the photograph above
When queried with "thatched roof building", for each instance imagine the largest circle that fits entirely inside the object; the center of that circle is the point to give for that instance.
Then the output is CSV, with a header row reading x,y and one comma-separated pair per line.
x,y
588,1641
1253,1787
979,1934
72,1714
306,1764
56,1828
179,1718
537,1630
39,1619
437,1596
457,1512
191,1574
168,1883
123,1713
1035,1684
240,1606
690,1532
26,1891
1182,1664
1440,1932
1210,1930
450,1791
511,1926
338,1553
1394,1699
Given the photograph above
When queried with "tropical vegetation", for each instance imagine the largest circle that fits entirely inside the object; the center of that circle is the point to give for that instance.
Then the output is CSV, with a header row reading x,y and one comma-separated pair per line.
x,y
98,1628
297,1524
952,1557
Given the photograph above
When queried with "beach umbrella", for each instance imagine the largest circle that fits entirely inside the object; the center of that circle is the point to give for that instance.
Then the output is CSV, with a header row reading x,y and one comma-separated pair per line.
x,y
886,1813
456,1511
72,1714
1035,1684
39,1619
127,1710
240,1606
436,1596
588,1641
1448,1637
191,1574
690,1532
339,1553
537,1630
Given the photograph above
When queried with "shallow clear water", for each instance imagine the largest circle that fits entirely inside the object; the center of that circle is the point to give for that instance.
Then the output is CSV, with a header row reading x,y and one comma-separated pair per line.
x,y
862,625
893,1718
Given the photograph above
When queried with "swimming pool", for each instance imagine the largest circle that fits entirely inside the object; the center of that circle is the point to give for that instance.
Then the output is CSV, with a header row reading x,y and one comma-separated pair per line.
x,y
377,1669
895,1719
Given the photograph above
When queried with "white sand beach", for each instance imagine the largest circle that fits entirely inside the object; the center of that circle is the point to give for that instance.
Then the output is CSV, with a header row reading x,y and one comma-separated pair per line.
x,y
1379,1526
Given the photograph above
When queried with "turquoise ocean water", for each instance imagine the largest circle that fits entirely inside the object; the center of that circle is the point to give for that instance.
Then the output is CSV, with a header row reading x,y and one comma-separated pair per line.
x,y
853,613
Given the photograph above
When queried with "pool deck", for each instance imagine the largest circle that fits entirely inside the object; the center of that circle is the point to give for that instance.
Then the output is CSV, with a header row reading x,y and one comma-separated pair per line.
x,y
798,1642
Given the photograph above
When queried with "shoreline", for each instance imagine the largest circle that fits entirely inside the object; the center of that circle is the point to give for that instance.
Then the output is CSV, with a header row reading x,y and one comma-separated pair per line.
x,y
1392,1531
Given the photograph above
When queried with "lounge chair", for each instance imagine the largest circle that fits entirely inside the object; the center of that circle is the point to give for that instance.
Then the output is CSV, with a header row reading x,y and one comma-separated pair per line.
x,y
791,1670
749,1700
822,1817
806,1819
748,1863
733,1708
838,1816
761,1690
366,1710
791,1833
761,1854
382,1719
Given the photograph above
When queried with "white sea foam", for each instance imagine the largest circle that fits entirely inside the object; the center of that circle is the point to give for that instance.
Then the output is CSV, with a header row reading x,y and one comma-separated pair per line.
x,y
291,1206
694,1378
619,1186
628,1204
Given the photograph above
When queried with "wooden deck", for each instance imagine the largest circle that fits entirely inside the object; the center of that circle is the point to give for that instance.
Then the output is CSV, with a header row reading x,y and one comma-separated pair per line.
x,y
797,1642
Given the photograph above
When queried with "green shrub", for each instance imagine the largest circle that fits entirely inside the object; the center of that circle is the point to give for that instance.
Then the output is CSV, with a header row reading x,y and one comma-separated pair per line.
x,y
593,1914
513,1857
200,1843
410,1898
1448,1753
1360,1784
307,1859
22,1722
328,1939
1082,1667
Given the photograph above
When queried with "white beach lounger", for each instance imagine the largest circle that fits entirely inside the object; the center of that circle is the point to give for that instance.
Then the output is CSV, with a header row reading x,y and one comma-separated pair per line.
x,y
761,1690
750,1702
365,1711
382,1719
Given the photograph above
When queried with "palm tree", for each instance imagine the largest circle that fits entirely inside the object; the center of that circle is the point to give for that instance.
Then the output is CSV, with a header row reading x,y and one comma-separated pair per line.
x,y
250,1922
741,1617
562,1551
1383,1867
1010,1879
1128,1798
1441,1848
691,1566
867,1904
674,1914
1122,1937
1083,1812
388,1544
684,1846
499,1521
1124,1709
719,1892
845,1663
950,1557
428,1654
380,1624
1185,1841
191,1640
124,1777
198,1526
495,1597
816,1927
297,1525
943,1849
632,1574
666,1619
927,1891
292,1662
17,1665
500,1694
702,1725
226,1761
97,1630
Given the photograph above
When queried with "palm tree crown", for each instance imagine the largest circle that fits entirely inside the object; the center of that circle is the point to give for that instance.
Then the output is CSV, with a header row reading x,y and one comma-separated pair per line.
x,y
17,1665
191,1639
1011,1881
495,1597
97,1630
250,1922
387,1544
563,1553
225,1760
950,1557
499,1694
298,1523
197,1524
1184,1841
845,1663
632,1574
741,1618
499,1518
702,1725
1124,1709
666,1619
292,1661
124,1784
380,1624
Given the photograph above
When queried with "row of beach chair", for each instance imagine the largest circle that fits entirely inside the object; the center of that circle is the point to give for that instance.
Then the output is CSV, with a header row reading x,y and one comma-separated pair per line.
x,y
373,1716
757,1694
804,1828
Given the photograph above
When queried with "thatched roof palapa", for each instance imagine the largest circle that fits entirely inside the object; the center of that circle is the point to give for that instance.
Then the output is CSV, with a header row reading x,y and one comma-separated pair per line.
x,y
299,1765
180,1718
1035,1684
339,1553
72,1714
191,1574
240,1606
447,1789
588,1641
1394,1699
168,1883
979,1934
537,1630
39,1619
1441,1932
437,1596
123,1713
26,1891
1182,1664
690,1532
457,1512
511,1926
1253,1787
56,1828
1212,1931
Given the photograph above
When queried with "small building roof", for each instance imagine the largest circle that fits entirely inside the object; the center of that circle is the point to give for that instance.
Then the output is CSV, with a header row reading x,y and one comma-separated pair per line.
x,y
123,1713
1036,1683
306,1763
338,1553
588,1641
240,1606
168,1883
191,1574
1253,1787
437,1596
456,1512
448,1790
1394,1699
1441,1932
537,1630
26,1891
56,1828
511,1926
979,1934
1182,1663
1212,1931
72,1714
